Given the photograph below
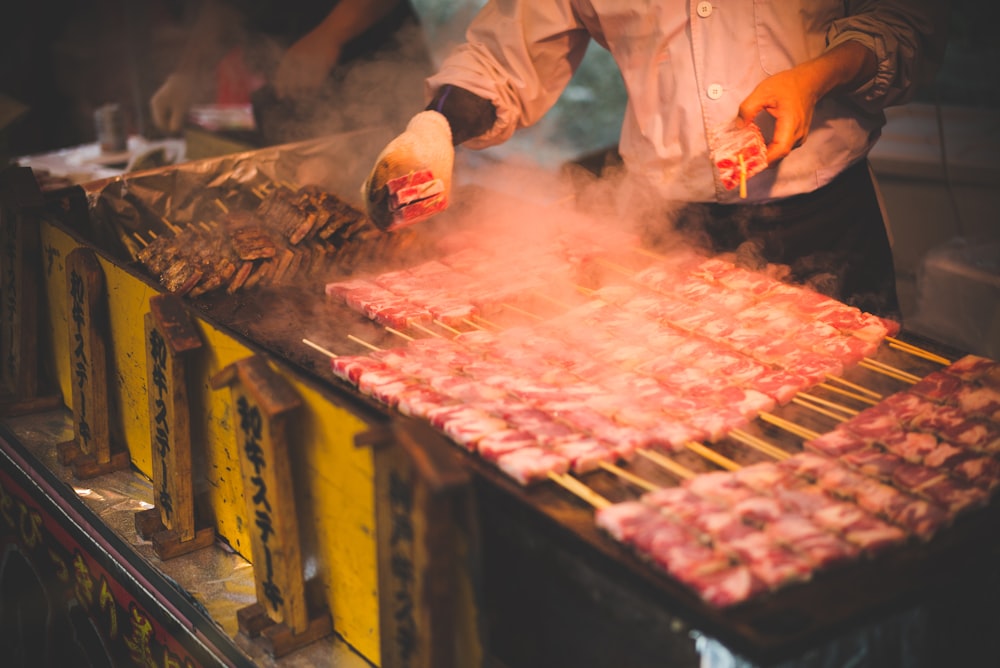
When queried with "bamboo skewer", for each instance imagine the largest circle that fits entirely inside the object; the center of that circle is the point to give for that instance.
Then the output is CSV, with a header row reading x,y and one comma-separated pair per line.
x,y
522,311
743,177
222,205
486,322
892,369
891,373
630,477
448,327
819,409
931,357
790,427
425,330
370,346
472,324
316,346
678,470
829,404
855,386
393,330
712,456
173,228
758,443
573,485
846,393
916,350
140,239
152,234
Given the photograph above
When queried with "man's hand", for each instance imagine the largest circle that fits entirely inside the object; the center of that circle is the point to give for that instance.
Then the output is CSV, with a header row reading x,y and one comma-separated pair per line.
x,y
171,102
791,96
306,64
411,179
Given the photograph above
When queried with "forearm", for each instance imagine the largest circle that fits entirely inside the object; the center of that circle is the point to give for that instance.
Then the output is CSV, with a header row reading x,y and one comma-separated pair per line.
x,y
843,67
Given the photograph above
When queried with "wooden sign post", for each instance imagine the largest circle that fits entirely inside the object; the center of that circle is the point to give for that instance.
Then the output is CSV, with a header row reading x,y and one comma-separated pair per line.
x,y
428,551
170,524
21,377
264,401
91,452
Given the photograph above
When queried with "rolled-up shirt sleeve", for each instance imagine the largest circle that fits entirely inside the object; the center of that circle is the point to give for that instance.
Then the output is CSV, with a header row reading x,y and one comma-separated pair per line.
x,y
907,38
519,55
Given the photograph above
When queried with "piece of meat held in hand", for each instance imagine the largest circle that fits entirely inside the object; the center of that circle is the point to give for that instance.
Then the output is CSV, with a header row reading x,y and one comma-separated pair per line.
x,y
415,197
738,153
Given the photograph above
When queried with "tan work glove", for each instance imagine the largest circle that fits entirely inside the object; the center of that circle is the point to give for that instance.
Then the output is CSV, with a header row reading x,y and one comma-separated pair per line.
x,y
169,105
411,180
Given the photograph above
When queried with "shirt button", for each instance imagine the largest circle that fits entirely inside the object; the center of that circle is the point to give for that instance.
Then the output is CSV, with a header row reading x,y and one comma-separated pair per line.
x,y
704,9
714,91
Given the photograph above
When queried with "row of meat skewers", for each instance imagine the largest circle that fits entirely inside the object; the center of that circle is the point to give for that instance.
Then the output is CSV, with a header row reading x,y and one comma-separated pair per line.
x,y
292,233
688,349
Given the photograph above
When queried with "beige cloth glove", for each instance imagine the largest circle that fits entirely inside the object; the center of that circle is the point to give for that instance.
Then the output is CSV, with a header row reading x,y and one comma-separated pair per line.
x,y
411,179
171,102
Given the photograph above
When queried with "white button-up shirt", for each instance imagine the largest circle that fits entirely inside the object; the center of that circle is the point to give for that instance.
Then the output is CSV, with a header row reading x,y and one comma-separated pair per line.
x,y
687,66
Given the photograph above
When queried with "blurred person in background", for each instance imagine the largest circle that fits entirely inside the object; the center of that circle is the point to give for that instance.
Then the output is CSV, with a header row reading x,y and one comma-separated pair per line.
x,y
309,67
815,76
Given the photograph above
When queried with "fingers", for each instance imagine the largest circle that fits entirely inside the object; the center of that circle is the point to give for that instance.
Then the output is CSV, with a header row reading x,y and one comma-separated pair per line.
x,y
784,139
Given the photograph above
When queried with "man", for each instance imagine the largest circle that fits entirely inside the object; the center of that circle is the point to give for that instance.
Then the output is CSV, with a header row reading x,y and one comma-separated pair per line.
x,y
315,66
815,76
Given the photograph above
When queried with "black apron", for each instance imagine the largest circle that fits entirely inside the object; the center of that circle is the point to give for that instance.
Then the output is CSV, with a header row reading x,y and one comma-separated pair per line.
x,y
834,239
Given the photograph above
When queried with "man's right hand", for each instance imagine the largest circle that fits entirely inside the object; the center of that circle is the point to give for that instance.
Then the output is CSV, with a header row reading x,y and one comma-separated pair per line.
x,y
169,105
411,179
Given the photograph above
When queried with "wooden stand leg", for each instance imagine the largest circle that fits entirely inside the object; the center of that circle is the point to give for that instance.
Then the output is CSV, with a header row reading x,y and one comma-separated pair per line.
x,y
170,339
23,389
282,620
91,452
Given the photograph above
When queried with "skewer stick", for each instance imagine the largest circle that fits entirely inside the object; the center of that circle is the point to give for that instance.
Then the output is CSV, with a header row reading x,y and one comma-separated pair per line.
x,y
393,330
648,253
790,427
140,239
522,311
916,350
205,226
847,393
712,456
417,325
758,443
316,346
819,409
152,234
625,271
259,192
448,327
931,357
472,324
908,378
855,386
222,205
370,346
576,487
486,322
743,177
891,368
681,472
630,477
829,404
173,228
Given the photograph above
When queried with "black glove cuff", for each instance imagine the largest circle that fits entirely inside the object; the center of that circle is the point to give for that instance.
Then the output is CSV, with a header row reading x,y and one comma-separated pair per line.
x,y
468,114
